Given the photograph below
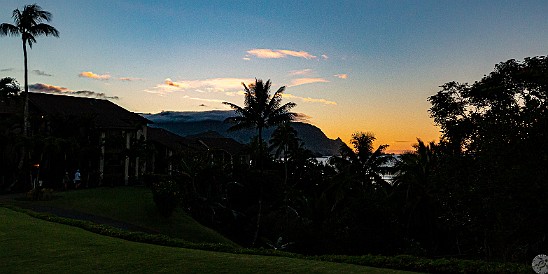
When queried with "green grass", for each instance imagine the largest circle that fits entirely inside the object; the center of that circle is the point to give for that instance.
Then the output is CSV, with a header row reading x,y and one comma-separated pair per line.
x,y
132,205
31,245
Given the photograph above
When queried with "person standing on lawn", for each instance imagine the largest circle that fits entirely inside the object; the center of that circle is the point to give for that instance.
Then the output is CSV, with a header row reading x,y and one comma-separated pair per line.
x,y
77,179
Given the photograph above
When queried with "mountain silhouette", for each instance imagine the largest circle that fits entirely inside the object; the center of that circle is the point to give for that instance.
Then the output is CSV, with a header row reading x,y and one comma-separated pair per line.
x,y
189,124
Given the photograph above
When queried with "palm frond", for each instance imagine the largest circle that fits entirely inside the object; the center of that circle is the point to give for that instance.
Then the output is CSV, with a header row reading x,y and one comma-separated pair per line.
x,y
44,29
8,29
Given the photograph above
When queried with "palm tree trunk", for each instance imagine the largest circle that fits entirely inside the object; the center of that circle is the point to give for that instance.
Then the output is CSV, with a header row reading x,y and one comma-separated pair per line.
x,y
261,149
286,148
258,225
259,212
26,110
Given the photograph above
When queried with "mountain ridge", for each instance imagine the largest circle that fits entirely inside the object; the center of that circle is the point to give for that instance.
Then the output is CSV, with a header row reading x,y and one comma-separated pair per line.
x,y
195,123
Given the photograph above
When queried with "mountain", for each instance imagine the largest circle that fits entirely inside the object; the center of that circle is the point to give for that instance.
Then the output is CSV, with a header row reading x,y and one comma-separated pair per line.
x,y
190,123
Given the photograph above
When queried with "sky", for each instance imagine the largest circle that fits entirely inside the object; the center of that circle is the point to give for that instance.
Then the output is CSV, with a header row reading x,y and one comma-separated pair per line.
x,y
348,65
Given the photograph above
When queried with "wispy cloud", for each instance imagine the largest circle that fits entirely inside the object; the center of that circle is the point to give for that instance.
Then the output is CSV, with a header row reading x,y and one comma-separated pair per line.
x,y
88,93
309,99
304,81
341,76
325,57
208,85
301,72
129,79
7,69
91,75
46,88
41,73
278,53
203,99
301,117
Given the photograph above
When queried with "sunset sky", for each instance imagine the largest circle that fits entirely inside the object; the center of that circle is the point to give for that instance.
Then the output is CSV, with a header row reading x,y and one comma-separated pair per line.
x,y
349,65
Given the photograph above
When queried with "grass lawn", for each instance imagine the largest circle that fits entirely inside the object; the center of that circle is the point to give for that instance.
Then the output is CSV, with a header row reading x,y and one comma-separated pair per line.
x,y
31,245
133,205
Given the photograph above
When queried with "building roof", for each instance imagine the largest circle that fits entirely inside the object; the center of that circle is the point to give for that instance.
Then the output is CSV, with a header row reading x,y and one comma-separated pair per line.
x,y
172,140
229,145
105,114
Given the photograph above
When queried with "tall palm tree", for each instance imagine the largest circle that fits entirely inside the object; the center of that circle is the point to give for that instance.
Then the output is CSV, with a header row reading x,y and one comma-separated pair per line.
x,y
261,110
28,24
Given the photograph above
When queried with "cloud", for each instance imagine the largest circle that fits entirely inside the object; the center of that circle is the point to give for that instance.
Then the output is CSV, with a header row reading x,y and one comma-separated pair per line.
x,y
88,93
325,57
91,75
341,76
226,85
45,88
304,81
41,73
190,116
204,100
48,88
278,53
246,58
309,99
301,72
301,117
129,79
7,69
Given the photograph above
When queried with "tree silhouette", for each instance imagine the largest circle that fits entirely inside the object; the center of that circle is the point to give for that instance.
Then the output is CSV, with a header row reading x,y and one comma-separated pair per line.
x,y
28,24
364,163
284,140
497,128
9,90
414,183
261,111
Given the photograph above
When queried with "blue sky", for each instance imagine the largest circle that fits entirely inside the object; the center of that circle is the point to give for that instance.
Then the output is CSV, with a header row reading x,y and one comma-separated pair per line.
x,y
349,65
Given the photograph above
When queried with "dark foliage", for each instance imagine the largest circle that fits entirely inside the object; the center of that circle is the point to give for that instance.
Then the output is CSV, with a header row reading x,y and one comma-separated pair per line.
x,y
166,193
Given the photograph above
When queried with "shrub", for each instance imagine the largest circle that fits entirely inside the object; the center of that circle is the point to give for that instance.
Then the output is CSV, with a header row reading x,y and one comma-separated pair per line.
x,y
37,194
165,193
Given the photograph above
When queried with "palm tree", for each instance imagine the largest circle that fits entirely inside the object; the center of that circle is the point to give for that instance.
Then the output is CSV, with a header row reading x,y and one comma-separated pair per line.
x,y
28,24
261,110
284,140
414,180
367,165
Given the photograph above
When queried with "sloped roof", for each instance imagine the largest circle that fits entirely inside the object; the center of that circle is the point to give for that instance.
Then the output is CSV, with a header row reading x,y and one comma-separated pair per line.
x,y
172,140
229,145
105,114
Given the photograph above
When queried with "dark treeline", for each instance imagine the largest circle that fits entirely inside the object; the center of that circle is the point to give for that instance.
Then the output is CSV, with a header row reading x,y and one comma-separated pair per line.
x,y
480,192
